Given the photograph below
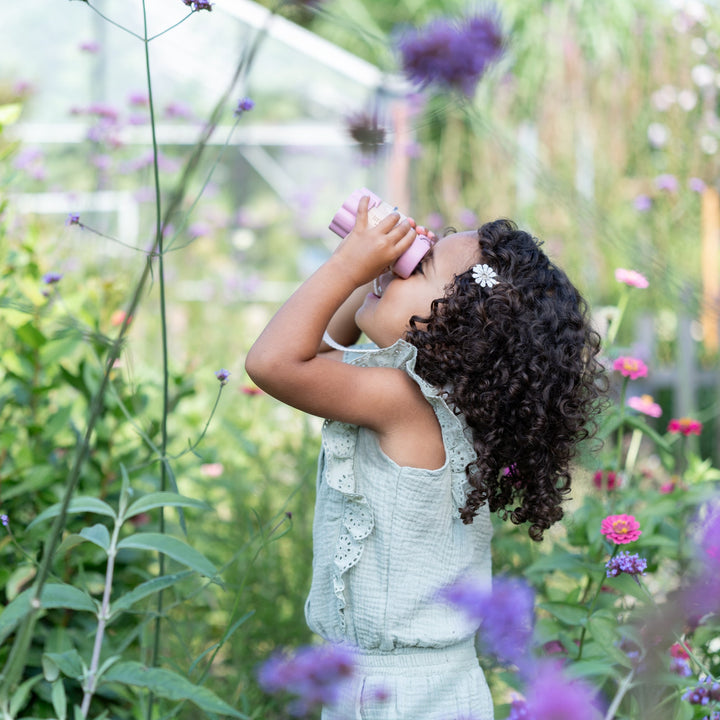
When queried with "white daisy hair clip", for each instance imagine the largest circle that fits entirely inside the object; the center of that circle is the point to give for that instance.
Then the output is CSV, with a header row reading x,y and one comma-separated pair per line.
x,y
484,275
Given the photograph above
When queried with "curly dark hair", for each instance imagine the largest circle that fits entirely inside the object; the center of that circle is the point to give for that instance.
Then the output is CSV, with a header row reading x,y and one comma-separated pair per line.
x,y
520,364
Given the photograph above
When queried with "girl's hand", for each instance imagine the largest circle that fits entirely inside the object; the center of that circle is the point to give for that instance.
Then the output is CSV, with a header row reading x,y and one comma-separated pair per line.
x,y
422,230
367,251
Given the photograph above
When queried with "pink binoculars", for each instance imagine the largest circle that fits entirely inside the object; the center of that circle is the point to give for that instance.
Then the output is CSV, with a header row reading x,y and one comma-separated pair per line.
x,y
344,220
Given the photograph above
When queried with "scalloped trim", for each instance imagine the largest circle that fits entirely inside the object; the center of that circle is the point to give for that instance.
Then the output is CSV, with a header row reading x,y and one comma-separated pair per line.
x,y
339,441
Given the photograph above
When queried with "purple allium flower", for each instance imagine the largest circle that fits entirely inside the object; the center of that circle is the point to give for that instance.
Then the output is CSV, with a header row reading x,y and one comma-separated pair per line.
x,y
367,132
446,53
244,105
73,219
222,375
50,278
642,203
666,182
626,563
5,520
551,696
505,613
709,540
314,674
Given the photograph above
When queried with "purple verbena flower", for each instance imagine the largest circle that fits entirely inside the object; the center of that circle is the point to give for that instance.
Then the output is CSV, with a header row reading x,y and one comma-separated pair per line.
x,y
518,710
314,674
222,375
704,693
244,105
51,278
505,613
666,182
696,184
626,563
447,53
551,696
198,4
643,203
5,520
73,219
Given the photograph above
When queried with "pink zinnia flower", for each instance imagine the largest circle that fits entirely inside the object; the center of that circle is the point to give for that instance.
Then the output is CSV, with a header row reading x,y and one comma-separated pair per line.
x,y
631,278
684,426
630,367
607,479
621,529
645,404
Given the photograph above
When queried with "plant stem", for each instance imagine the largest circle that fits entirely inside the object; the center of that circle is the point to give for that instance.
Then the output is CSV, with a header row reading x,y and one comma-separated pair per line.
x,y
615,325
625,685
590,611
103,615
163,339
623,393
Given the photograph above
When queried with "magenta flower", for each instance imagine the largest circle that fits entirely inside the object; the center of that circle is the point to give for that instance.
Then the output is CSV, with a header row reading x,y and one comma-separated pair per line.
x,y
684,426
630,367
646,405
620,529
631,278
446,53
607,479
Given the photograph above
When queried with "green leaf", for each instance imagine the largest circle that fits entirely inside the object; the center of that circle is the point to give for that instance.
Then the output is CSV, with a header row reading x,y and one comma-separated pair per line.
x,y
170,685
162,499
590,668
59,699
53,595
69,663
21,695
10,113
565,612
97,534
83,504
31,336
125,602
172,547
634,421
605,633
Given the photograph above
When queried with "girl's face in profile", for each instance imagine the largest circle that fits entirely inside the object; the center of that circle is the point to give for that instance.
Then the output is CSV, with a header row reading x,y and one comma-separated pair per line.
x,y
384,316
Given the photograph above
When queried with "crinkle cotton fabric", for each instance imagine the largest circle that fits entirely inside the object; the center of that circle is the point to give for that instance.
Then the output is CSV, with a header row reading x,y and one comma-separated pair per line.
x,y
387,539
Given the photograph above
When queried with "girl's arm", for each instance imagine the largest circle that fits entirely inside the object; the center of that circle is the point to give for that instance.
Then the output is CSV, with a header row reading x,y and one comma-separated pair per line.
x,y
342,328
284,360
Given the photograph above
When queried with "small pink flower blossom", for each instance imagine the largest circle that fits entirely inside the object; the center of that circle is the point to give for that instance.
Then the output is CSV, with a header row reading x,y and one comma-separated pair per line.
x,y
607,479
631,277
620,529
646,405
630,367
684,426
212,470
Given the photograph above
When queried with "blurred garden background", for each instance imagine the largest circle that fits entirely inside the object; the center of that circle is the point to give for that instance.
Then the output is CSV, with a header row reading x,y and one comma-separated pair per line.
x,y
168,175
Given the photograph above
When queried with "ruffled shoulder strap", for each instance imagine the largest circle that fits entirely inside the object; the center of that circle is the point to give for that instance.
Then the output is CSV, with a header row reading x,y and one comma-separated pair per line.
x,y
339,442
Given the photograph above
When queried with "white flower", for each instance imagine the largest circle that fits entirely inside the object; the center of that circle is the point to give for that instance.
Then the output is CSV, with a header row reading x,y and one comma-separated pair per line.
x,y
485,276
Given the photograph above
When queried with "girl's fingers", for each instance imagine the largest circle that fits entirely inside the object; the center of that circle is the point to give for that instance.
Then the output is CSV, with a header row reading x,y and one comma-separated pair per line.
x,y
361,217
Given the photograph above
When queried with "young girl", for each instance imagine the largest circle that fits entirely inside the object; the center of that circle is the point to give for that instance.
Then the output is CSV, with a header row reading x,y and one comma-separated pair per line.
x,y
481,381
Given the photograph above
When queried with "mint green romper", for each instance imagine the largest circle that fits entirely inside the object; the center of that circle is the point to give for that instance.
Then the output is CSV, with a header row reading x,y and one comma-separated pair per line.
x,y
386,540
